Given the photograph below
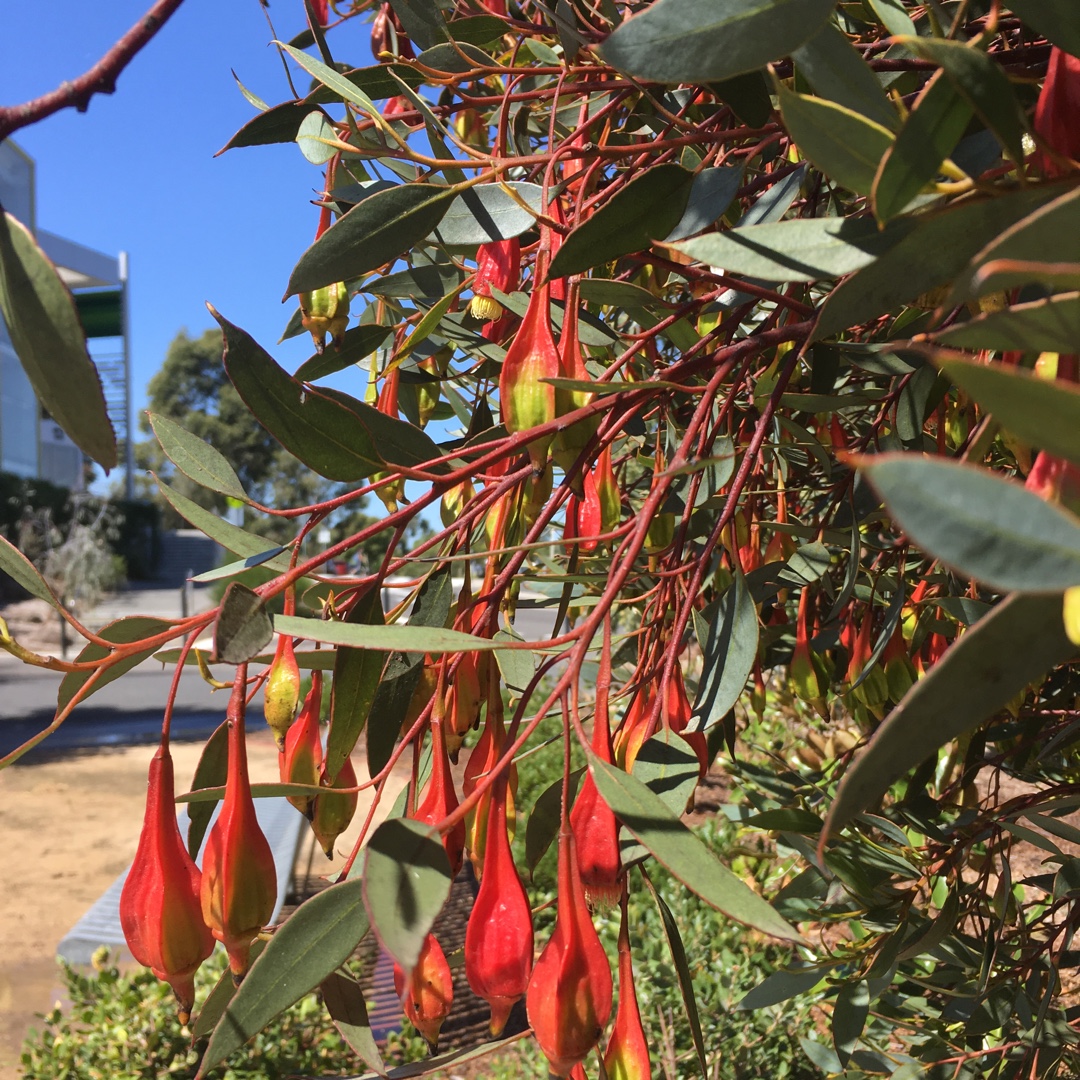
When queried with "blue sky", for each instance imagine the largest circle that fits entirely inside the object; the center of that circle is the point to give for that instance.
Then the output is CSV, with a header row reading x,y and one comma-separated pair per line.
x,y
137,171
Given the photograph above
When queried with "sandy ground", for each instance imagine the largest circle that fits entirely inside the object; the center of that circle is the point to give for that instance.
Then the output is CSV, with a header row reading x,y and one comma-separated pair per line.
x,y
68,828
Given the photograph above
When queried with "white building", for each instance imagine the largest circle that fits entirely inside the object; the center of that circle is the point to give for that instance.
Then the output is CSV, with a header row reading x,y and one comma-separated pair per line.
x,y
32,444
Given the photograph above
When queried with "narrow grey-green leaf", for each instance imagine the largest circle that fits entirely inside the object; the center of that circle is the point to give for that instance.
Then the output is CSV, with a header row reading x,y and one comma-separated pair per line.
x,y
373,233
356,680
121,632
229,536
316,940
196,458
388,638
676,847
837,72
489,212
849,1017
699,41
1046,235
1050,325
711,193
239,566
928,257
844,145
781,986
982,84
242,628
422,21
682,969
406,883
277,125
21,570
646,209
516,665
748,97
1042,412
893,16
931,131
315,137
344,1001
430,281
1059,20
48,339
727,656
805,249
669,768
979,523
333,80
975,678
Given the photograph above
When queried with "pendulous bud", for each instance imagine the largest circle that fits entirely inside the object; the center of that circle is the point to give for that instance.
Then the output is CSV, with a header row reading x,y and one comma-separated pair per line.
x,y
160,912
427,992
282,692
627,1054
325,312
332,810
301,759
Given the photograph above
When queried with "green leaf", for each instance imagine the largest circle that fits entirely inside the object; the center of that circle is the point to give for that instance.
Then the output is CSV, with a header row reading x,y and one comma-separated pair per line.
x,y
121,632
242,628
376,81
277,125
313,942
333,80
682,970
337,436
676,847
928,257
344,1001
489,212
218,998
211,772
849,1017
711,193
624,294
356,680
422,21
517,666
837,72
406,883
1059,20
229,536
315,137
545,818
387,638
781,986
979,523
646,209
1045,413
1050,325
981,82
239,566
403,669
804,249
455,59
668,768
748,97
419,281
930,133
373,233
893,16
196,458
975,678
728,656
1043,236
845,146
21,570
700,41
48,339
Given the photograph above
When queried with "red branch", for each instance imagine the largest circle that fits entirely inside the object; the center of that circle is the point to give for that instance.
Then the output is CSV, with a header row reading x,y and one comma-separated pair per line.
x,y
100,79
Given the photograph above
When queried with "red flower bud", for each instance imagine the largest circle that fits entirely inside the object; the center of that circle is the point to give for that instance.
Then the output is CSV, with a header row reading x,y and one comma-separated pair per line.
x,y
1057,111
499,937
627,1054
427,992
584,516
676,715
440,800
299,762
159,905
569,995
332,811
282,692
526,402
239,883
498,264
634,729
481,761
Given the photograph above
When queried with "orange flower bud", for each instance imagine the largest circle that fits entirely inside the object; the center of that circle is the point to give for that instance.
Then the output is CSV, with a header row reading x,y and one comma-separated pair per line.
x,y
526,402
282,692
627,1054
634,729
427,992
332,811
239,883
584,516
159,905
569,995
440,800
676,715
299,762
499,936
481,761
